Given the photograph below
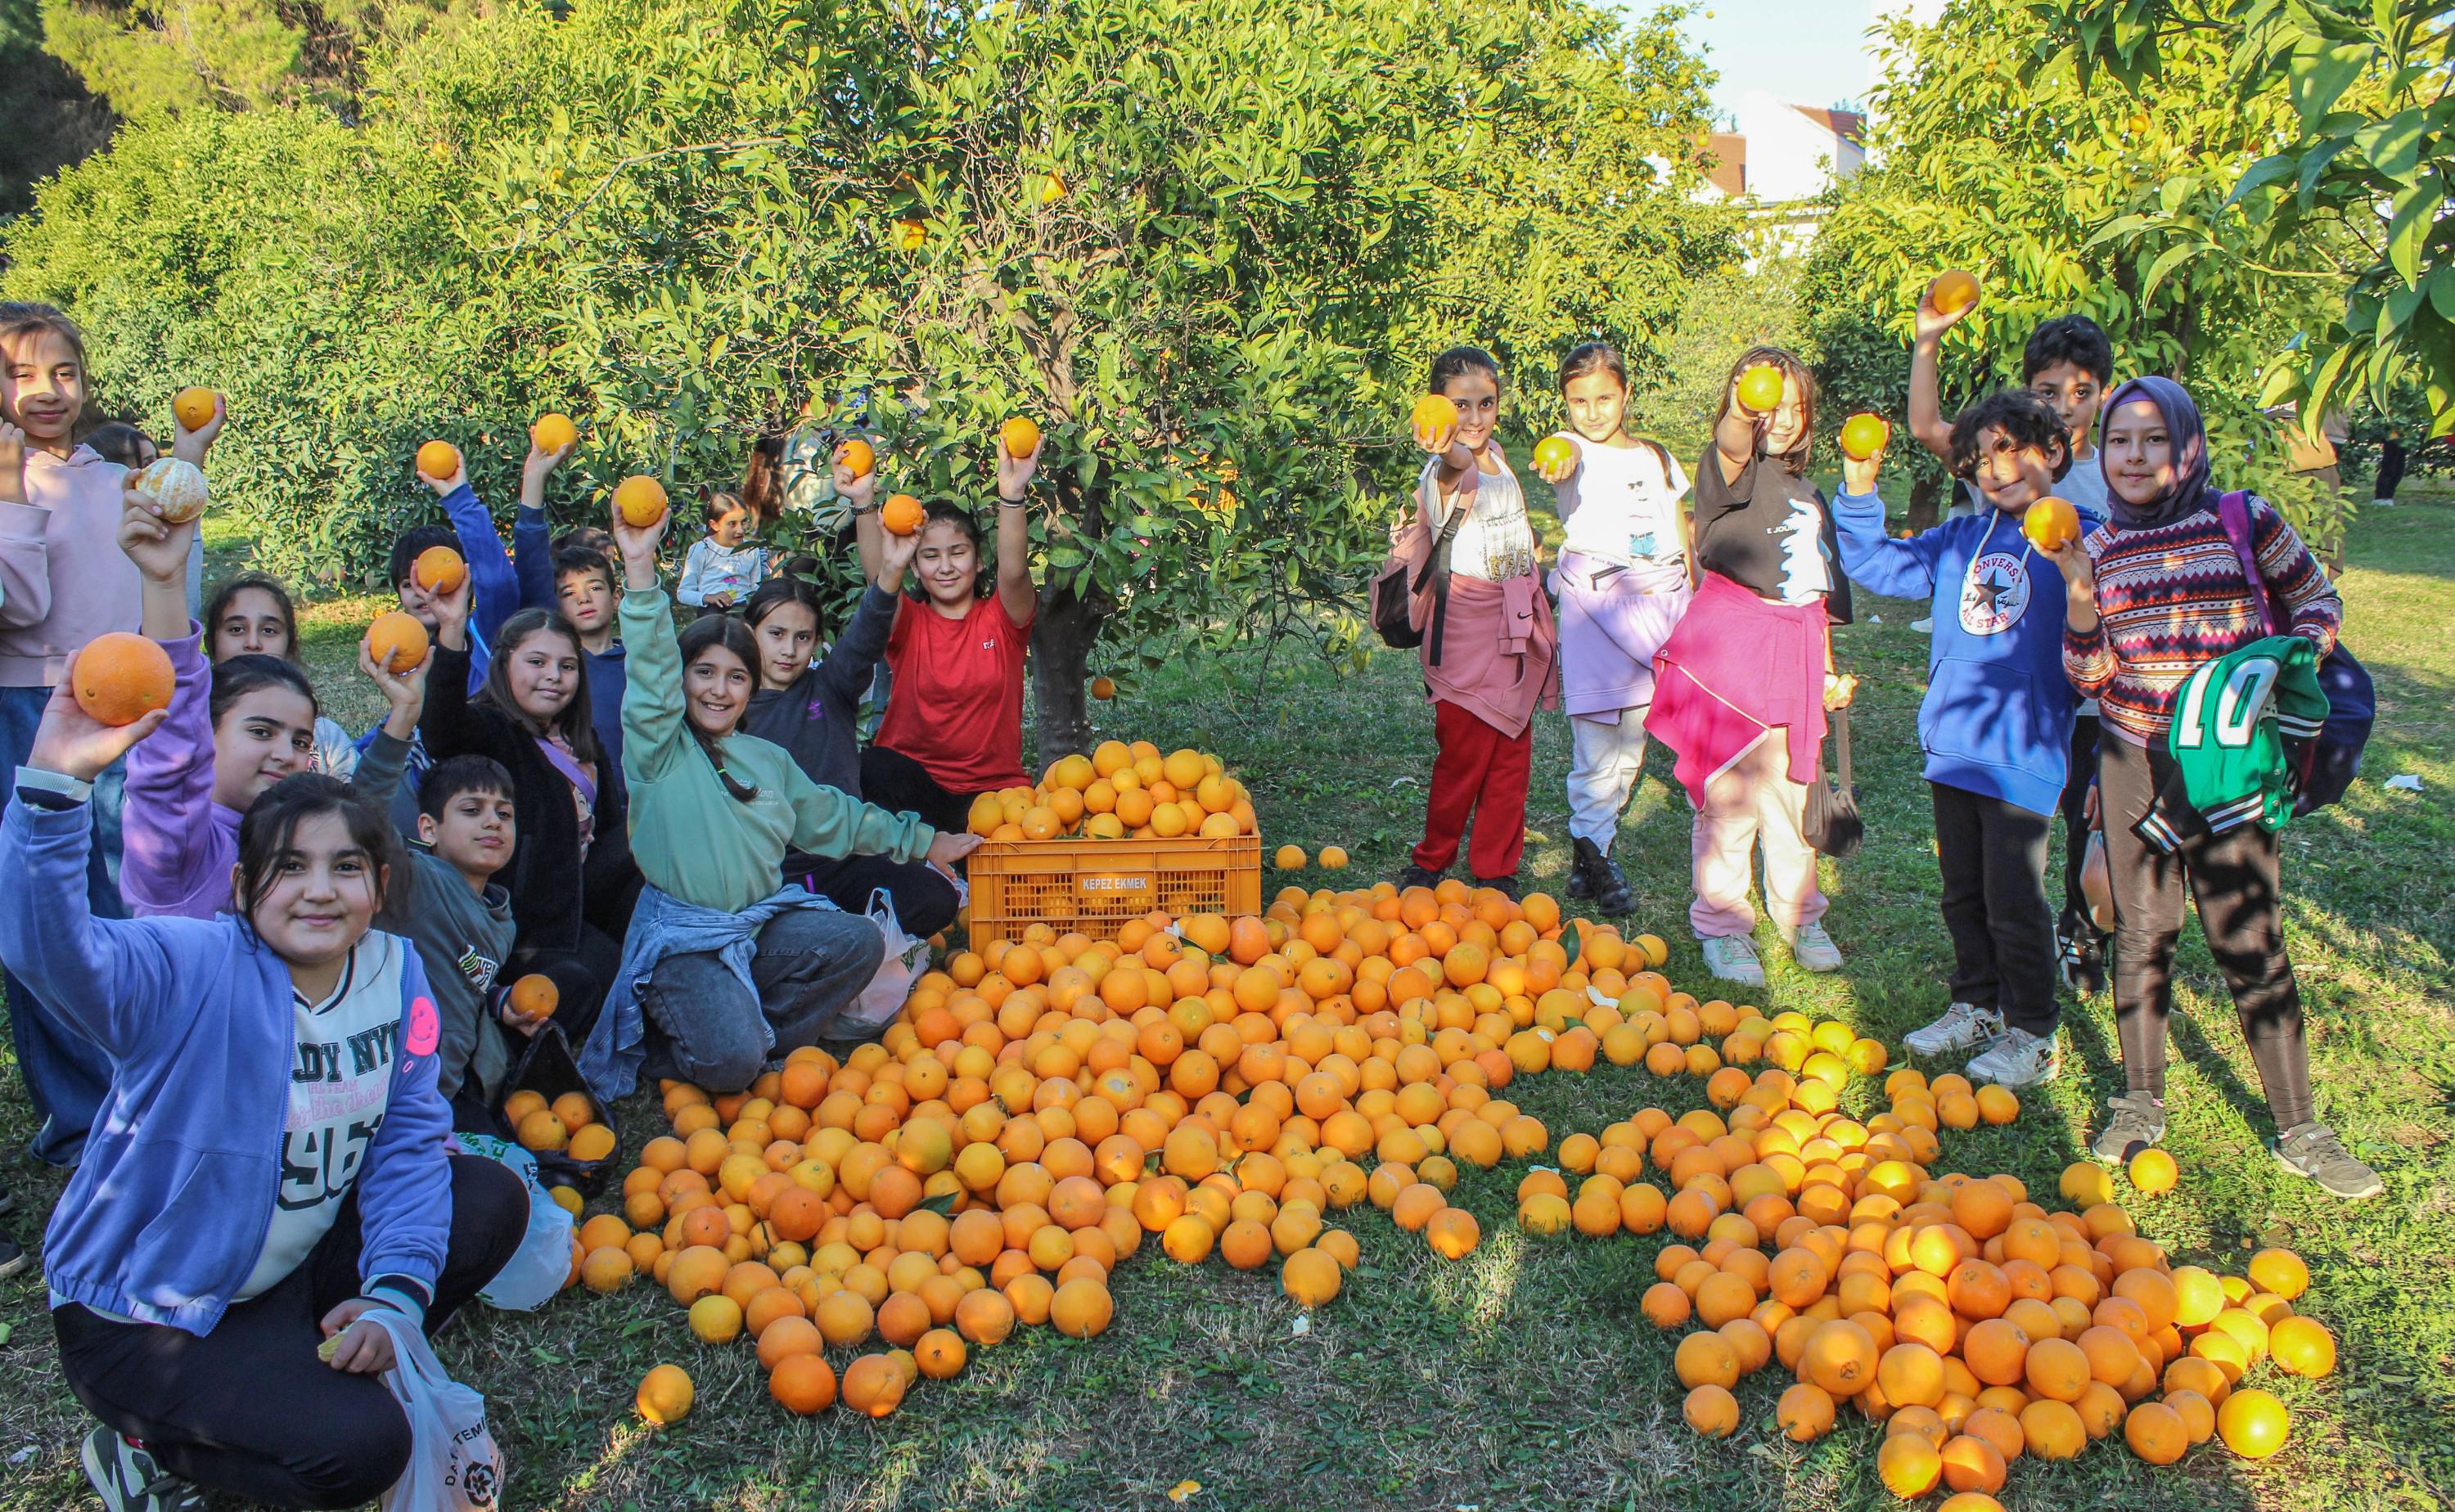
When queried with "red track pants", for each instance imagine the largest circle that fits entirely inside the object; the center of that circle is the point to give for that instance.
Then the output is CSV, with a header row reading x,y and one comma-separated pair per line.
x,y
1478,771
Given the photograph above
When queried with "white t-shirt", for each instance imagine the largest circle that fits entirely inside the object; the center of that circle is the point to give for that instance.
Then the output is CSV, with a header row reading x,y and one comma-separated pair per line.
x,y
1623,507
1496,541
340,1084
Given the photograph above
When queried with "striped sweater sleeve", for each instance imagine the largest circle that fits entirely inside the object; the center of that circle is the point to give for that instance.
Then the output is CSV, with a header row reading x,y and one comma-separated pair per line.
x,y
2299,590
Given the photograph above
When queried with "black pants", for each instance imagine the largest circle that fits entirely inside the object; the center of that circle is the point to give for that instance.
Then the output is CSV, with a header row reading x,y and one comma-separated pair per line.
x,y
248,1409
2391,473
1992,855
2233,877
900,785
581,977
2075,815
924,900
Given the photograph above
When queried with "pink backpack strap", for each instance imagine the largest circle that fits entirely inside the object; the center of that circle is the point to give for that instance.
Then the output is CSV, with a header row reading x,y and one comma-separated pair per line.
x,y
2233,513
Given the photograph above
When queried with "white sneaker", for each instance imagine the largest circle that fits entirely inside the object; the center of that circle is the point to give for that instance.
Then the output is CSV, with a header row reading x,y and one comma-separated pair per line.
x,y
2018,1058
1963,1026
1733,957
1924,627
1812,948
2381,503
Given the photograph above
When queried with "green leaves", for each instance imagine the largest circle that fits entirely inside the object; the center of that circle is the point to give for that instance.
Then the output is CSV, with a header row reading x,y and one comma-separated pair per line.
x,y
2319,71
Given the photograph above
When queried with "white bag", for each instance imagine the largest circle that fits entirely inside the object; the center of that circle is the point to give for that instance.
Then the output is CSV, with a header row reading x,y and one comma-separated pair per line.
x,y
883,998
536,1270
454,1463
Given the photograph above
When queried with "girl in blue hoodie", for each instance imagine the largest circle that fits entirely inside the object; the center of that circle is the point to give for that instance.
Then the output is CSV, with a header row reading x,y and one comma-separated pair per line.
x,y
269,1168
1996,725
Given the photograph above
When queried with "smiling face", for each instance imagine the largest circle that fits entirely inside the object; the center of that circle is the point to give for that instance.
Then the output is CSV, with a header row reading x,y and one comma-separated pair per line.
x,y
41,388
1787,426
2139,454
948,565
267,733
1598,404
475,833
2011,474
1476,394
252,621
543,675
715,691
320,896
2074,394
787,639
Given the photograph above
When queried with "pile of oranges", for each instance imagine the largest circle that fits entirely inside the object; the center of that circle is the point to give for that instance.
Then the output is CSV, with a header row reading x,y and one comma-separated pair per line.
x,y
1229,1086
569,1122
1120,791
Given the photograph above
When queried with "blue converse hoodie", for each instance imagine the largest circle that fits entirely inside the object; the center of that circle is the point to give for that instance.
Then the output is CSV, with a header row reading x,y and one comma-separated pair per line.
x,y
1998,716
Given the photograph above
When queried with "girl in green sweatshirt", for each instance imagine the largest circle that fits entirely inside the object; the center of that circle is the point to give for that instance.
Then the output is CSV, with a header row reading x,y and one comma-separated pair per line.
x,y
725,969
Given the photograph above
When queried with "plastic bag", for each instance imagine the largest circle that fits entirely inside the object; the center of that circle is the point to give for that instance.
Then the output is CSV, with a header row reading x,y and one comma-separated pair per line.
x,y
454,1466
907,957
538,1269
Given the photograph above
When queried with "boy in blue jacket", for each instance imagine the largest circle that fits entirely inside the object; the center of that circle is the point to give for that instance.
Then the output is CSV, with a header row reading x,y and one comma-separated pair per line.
x,y
1996,724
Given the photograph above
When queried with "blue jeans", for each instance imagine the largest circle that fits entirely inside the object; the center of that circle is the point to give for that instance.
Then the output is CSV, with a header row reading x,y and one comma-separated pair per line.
x,y
67,1075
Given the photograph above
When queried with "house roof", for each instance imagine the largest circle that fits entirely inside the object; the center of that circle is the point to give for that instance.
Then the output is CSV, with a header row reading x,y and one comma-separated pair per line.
x,y
1730,171
1848,124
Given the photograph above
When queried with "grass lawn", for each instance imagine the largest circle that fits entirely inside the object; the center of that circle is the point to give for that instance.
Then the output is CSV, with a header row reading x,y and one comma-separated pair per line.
x,y
1525,1377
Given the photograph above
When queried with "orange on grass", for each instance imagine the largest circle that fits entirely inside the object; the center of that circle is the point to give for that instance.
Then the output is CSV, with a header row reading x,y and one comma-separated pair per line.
x,y
2052,1430
2253,1424
1805,1412
641,501
940,1354
439,459
716,1317
1706,1357
1712,1411
1019,436
607,1269
1841,1357
119,677
2155,1433
873,1386
1971,1463
787,1336
2154,1171
1909,1465
802,1384
1332,857
1311,1277
665,1396
901,515
2302,1347
1080,1308
2279,1271
2057,1369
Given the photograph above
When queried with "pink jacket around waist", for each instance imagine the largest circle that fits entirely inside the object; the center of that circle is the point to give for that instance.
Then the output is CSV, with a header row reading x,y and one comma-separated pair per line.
x,y
1499,653
1736,667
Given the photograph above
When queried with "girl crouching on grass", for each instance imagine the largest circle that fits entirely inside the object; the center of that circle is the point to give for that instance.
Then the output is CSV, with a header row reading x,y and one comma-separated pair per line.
x,y
731,971
1742,685
1490,648
1622,584
2154,596
270,1168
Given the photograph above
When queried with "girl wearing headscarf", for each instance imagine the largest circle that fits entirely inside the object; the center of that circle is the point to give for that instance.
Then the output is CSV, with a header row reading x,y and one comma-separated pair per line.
x,y
2153,595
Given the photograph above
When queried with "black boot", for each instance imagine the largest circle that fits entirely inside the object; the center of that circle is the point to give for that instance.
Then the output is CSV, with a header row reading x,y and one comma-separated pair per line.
x,y
1416,877
1505,886
1581,870
1604,883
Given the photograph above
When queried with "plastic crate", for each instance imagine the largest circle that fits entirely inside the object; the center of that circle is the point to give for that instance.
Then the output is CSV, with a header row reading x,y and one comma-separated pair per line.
x,y
1094,886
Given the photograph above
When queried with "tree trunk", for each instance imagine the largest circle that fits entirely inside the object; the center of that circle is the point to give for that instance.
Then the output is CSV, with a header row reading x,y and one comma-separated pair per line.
x,y
1922,502
1061,636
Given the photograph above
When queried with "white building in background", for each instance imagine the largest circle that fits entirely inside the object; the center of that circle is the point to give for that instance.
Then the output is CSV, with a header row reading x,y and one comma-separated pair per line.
x,y
1784,156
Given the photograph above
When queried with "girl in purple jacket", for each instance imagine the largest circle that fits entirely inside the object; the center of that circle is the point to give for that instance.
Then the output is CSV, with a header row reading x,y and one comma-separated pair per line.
x,y
269,1168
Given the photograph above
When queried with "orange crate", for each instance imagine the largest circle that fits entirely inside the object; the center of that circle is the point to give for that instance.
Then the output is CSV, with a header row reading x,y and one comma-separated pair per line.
x,y
1094,886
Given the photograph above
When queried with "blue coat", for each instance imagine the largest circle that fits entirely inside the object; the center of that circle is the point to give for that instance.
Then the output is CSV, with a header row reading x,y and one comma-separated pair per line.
x,y
1998,716
168,1213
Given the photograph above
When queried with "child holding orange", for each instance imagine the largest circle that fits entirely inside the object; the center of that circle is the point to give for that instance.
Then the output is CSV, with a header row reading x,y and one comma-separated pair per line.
x,y
1489,647
1742,685
1622,584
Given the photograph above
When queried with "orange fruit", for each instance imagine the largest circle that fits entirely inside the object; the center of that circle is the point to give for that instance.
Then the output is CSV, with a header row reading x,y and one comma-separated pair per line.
x,y
439,459
607,1268
1332,857
857,457
785,1336
2057,1369
1805,1412
1311,1277
2052,1430
119,677
665,1396
1019,436
716,1317
2155,1433
397,643
641,501
2303,1346
1971,1463
1103,687
1553,452
552,431
1712,1411
1863,436
1704,1357
1953,292
1841,1357
2279,1271
1434,414
175,486
1080,1308
439,569
1760,389
193,408
2050,523
802,1384
873,1386
1909,1465
2154,1171
940,1354
1453,1234
2253,1424
901,515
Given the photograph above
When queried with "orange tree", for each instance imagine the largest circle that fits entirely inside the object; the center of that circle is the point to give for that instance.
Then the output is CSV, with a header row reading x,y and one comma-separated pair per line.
x,y
1207,245
2003,162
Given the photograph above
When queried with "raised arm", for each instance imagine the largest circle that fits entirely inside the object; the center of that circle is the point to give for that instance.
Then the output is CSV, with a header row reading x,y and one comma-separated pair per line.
x,y
653,736
860,493
377,777
1015,592
108,977
834,824
495,592
1873,560
1926,413
453,722
532,539
853,659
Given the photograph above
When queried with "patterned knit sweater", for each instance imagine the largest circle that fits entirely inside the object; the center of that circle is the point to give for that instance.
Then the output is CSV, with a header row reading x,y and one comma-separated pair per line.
x,y
2173,598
